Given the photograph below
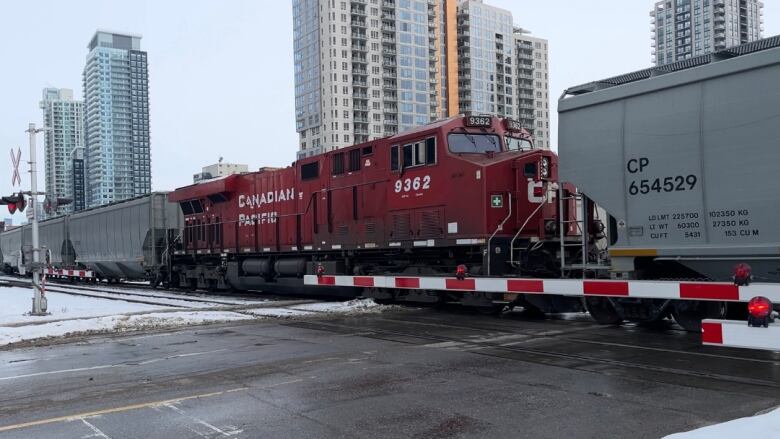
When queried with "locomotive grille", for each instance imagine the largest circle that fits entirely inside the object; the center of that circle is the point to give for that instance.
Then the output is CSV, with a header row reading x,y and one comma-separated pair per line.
x,y
343,230
402,225
370,228
430,224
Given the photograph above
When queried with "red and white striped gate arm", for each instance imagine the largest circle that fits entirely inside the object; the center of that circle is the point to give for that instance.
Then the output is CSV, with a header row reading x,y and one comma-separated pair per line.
x,y
715,291
69,273
739,335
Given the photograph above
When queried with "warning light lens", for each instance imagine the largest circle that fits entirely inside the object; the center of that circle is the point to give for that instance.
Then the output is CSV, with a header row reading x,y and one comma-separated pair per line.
x,y
759,307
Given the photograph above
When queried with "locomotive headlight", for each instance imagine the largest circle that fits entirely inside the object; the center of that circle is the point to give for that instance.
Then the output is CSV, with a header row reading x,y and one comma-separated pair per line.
x,y
544,168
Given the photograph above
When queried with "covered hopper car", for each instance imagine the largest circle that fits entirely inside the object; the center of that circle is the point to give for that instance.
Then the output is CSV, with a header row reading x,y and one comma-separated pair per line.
x,y
127,240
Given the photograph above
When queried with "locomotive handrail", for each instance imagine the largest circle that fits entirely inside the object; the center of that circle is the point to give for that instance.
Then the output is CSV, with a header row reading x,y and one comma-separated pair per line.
x,y
520,230
498,229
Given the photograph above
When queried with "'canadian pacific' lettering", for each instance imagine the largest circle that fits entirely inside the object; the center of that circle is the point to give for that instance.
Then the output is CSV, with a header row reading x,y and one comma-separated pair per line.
x,y
257,200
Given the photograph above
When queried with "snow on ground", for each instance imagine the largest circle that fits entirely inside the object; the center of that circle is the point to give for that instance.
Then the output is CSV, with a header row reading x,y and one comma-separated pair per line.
x,y
353,306
75,315
277,312
16,301
117,323
761,426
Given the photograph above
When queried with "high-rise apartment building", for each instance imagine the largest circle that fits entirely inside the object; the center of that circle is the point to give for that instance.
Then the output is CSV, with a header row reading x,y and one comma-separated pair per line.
x,y
686,28
116,119
63,147
486,64
366,69
533,86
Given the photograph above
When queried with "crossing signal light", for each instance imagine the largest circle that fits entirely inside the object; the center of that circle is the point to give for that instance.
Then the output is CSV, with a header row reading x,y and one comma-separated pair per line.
x,y
14,202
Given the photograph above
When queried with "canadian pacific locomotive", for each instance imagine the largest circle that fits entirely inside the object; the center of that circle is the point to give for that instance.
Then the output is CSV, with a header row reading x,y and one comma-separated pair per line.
x,y
424,202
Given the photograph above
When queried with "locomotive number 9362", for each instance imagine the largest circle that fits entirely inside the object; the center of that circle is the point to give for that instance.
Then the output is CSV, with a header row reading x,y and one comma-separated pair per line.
x,y
413,184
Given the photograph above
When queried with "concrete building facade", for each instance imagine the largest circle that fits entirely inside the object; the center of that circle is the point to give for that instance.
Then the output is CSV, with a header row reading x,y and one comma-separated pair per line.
x,y
116,119
219,170
366,69
63,147
682,29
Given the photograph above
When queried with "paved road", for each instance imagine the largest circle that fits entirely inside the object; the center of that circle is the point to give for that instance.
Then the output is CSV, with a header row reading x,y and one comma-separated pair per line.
x,y
408,374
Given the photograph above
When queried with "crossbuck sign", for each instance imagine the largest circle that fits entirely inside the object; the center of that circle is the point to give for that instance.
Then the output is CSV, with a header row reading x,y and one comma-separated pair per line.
x,y
16,179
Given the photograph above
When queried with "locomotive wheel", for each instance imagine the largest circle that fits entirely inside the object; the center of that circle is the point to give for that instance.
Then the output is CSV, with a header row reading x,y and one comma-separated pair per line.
x,y
603,311
690,313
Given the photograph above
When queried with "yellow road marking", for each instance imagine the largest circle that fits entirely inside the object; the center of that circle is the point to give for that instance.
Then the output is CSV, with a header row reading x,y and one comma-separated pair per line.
x,y
115,410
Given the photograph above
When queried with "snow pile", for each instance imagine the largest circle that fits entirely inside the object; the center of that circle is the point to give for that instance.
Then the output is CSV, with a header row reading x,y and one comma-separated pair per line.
x,y
760,426
355,306
117,323
277,312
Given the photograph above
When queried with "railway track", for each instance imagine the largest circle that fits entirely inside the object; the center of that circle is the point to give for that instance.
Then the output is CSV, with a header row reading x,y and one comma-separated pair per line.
x,y
126,296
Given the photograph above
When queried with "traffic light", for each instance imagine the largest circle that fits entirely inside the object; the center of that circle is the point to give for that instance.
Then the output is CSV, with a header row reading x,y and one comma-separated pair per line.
x,y
14,202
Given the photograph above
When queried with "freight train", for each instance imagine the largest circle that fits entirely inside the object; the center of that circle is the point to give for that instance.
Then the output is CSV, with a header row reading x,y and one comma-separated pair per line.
x,y
654,184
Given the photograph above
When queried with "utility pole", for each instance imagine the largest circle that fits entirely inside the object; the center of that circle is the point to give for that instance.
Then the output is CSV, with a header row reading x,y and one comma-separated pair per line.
x,y
39,298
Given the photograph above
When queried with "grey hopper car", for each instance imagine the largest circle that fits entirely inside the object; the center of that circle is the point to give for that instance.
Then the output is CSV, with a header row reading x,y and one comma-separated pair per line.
x,y
124,240
11,250
685,159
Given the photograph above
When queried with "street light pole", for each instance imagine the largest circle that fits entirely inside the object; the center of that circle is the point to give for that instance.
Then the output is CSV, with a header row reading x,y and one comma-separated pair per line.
x,y
39,299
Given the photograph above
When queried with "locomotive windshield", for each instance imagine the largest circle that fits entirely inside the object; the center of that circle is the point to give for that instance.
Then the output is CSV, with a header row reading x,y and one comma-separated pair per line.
x,y
474,143
515,144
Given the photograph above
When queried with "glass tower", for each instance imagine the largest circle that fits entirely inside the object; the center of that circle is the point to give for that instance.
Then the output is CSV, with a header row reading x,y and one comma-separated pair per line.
x,y
63,145
116,119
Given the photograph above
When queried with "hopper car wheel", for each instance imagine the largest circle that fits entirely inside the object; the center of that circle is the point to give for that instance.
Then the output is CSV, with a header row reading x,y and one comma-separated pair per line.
x,y
690,313
603,311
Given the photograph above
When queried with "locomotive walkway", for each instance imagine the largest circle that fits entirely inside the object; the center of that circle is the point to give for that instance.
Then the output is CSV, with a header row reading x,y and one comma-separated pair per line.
x,y
409,373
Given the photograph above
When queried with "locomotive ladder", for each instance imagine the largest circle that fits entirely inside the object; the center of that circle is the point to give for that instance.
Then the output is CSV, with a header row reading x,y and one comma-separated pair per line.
x,y
581,221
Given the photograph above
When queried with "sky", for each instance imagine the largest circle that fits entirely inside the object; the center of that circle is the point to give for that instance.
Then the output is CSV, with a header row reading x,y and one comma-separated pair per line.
x,y
221,71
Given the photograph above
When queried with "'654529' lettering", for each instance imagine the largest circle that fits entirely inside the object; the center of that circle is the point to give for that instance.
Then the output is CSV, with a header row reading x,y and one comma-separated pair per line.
x,y
413,184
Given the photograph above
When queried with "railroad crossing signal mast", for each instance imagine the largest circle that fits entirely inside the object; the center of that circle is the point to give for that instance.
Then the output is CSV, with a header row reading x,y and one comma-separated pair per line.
x,y
17,202
39,304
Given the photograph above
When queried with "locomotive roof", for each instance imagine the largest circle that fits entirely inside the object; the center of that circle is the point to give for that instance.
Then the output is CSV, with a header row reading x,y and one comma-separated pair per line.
x,y
732,52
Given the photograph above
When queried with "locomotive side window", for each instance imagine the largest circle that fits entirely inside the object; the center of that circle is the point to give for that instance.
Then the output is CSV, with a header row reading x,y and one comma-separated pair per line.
x,y
420,153
473,143
338,163
394,158
354,160
408,155
368,150
430,151
310,171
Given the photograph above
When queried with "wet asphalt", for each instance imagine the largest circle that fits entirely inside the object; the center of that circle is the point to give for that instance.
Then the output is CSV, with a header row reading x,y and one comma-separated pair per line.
x,y
400,374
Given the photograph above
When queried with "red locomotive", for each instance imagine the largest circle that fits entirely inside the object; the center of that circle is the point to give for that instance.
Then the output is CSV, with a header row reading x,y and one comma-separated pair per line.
x,y
421,202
